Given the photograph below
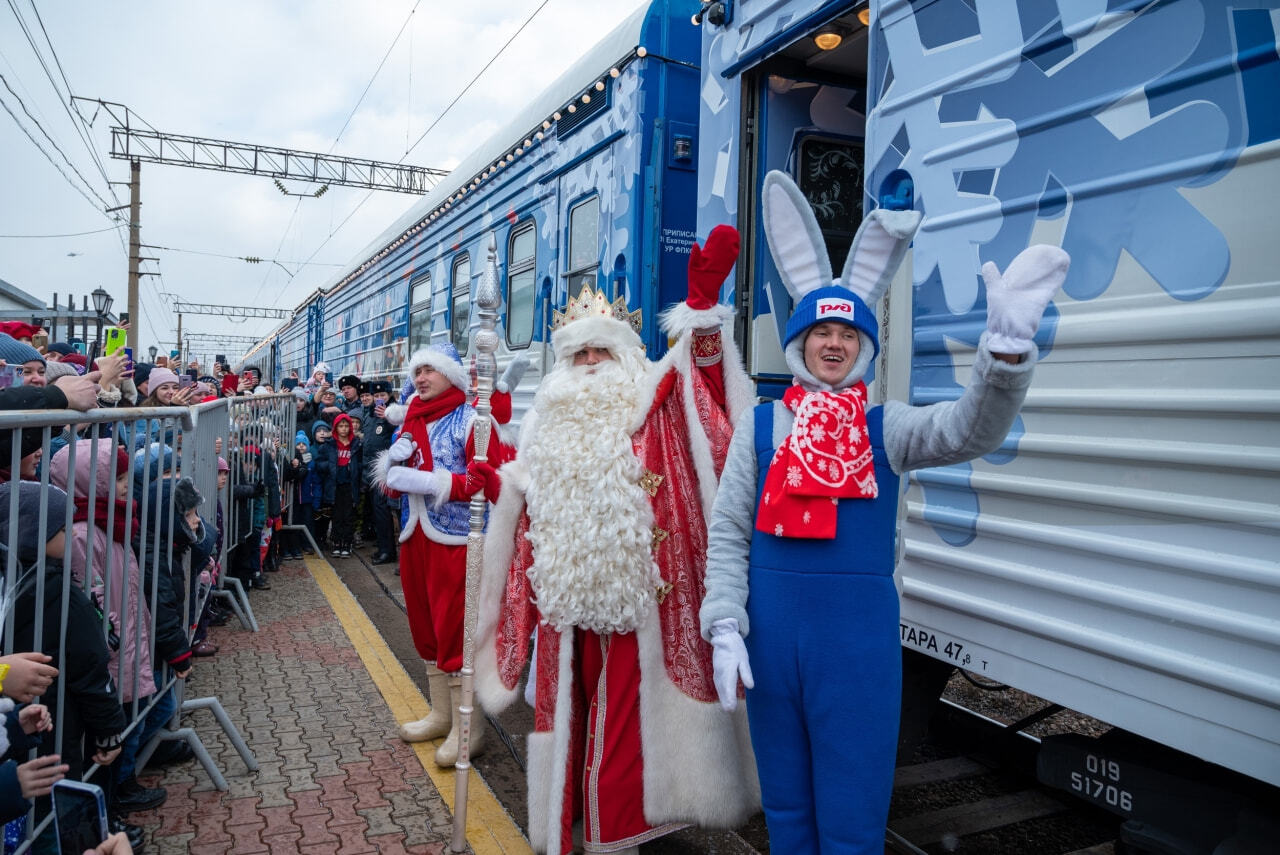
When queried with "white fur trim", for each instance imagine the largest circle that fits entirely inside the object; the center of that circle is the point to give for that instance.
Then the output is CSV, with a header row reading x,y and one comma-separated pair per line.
x,y
701,771
596,331
395,414
678,318
499,548
455,371
381,466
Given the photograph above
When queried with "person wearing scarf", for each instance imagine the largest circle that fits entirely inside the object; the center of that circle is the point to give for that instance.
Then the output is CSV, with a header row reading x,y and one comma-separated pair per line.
x,y
800,604
431,464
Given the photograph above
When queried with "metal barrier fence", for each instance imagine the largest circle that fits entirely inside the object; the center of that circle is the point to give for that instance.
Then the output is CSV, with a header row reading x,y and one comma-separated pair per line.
x,y
98,572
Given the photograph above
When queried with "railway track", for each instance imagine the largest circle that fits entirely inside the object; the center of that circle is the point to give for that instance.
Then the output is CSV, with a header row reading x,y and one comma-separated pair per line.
x,y
970,789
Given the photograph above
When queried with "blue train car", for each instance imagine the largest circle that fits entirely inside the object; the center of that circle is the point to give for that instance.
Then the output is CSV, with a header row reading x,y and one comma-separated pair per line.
x,y
1118,554
593,182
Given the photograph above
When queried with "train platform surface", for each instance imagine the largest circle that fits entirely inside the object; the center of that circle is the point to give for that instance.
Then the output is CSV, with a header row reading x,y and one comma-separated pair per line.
x,y
317,694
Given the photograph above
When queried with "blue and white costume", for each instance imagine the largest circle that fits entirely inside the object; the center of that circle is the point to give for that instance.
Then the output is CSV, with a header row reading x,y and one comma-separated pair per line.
x,y
819,617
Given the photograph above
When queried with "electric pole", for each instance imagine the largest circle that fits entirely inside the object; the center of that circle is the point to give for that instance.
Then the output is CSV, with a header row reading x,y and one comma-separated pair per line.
x,y
135,249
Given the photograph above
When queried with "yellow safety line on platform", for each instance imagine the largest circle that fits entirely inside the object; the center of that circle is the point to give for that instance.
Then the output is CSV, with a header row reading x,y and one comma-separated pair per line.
x,y
489,828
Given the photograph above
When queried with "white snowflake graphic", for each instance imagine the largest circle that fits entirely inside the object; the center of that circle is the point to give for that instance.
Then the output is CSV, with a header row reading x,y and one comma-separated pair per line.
x,y
777,530
807,517
817,433
794,478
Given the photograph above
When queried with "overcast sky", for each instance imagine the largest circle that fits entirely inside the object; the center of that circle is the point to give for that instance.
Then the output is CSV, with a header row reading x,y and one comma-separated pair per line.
x,y
285,74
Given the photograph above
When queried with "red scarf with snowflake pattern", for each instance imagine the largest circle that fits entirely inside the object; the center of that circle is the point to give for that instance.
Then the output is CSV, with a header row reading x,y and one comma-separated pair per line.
x,y
827,457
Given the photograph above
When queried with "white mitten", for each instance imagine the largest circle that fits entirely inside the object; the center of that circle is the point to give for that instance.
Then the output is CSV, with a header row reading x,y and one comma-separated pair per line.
x,y
729,662
1016,299
514,372
402,449
405,479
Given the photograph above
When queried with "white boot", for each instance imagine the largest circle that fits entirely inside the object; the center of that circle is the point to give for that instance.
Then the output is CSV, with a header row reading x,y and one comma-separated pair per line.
x,y
447,753
437,722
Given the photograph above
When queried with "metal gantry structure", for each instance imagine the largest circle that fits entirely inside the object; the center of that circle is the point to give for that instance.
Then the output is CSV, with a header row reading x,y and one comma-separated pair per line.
x,y
184,308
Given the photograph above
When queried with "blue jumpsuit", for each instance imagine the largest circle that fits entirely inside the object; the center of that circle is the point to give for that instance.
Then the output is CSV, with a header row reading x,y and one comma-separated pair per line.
x,y
827,662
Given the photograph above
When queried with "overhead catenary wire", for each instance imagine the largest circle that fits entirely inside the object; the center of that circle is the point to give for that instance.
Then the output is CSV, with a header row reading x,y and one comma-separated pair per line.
x,y
66,234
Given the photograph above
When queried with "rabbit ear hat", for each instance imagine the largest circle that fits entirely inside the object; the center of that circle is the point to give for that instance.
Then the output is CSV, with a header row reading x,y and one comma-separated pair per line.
x,y
801,257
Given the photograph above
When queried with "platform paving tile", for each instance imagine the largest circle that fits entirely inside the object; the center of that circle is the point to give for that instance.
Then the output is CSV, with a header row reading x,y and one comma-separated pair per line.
x,y
332,777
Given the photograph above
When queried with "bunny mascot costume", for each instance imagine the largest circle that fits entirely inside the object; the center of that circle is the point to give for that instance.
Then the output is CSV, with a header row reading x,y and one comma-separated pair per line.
x,y
800,601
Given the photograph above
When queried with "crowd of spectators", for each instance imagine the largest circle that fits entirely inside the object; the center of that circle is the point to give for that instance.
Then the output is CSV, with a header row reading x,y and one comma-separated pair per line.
x,y
142,547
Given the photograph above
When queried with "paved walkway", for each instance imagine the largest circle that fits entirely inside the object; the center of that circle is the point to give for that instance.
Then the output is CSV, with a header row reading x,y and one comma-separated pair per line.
x,y
317,696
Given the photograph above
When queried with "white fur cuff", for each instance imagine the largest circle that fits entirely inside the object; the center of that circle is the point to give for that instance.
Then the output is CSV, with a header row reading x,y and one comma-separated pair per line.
x,y
678,318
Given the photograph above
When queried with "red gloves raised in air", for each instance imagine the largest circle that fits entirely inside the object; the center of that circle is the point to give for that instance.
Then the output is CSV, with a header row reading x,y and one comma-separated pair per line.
x,y
710,264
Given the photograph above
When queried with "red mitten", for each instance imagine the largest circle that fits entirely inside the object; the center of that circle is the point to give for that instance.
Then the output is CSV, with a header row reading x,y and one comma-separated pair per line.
x,y
710,264
480,476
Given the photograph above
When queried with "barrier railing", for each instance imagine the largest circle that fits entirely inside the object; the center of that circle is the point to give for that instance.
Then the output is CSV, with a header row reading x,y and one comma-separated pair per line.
x,y
98,571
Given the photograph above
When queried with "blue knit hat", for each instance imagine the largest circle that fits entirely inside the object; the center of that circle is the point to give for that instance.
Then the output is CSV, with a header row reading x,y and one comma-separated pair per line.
x,y
836,304
301,438
15,352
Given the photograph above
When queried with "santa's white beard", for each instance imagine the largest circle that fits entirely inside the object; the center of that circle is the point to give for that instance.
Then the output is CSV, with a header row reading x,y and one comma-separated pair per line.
x,y
590,523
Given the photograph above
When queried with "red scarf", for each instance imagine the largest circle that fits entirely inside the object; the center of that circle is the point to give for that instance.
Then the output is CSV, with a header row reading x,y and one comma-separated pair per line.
x,y
422,413
101,504
827,457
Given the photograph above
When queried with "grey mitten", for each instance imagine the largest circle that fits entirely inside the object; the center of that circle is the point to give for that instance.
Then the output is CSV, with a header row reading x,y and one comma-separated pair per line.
x,y
1017,298
510,378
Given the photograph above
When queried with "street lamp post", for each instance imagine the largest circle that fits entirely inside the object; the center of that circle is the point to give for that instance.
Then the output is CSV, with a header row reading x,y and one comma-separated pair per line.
x,y
101,306
153,350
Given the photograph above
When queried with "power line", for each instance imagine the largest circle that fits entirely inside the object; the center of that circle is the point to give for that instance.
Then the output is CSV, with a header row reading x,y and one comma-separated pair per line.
x,y
51,140
224,255
360,100
68,234
49,157
464,91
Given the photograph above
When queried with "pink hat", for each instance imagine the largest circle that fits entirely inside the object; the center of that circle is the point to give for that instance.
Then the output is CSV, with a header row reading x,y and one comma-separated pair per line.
x,y
159,377
223,465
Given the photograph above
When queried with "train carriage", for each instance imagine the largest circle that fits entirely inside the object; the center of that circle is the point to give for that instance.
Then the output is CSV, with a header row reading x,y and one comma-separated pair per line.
x,y
1118,555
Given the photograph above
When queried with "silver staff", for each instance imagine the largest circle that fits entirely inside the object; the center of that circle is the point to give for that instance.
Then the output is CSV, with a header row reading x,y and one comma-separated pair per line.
x,y
484,341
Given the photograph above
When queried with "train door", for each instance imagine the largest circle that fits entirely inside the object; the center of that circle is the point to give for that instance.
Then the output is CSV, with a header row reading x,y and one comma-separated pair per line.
x,y
802,113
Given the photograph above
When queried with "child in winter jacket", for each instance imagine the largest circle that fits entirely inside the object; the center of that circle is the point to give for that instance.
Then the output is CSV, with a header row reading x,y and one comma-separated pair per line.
x,y
348,475
306,492
20,783
324,462
249,514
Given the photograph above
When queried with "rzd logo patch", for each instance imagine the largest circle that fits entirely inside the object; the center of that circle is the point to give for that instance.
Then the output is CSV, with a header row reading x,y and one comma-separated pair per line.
x,y
835,308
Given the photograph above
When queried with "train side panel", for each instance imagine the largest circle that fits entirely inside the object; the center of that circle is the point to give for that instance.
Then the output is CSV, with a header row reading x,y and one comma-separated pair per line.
x,y
1118,554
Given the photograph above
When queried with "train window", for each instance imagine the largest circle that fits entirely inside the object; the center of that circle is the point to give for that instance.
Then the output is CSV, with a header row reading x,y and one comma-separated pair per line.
x,y
830,177
420,312
521,294
460,307
584,244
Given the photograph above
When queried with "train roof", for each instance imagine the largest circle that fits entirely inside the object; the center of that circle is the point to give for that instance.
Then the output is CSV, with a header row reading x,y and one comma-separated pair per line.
x,y
616,45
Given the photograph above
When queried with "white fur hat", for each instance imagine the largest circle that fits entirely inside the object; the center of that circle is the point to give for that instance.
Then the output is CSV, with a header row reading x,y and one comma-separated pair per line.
x,y
443,357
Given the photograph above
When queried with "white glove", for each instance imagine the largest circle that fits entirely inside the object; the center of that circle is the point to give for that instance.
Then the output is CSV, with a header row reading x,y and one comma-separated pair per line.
x,y
1016,299
404,479
729,662
402,449
531,685
514,372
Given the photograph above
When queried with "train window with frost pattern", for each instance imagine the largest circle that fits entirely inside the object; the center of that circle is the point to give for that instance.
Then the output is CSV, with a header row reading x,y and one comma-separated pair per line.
x,y
584,244
521,293
460,308
420,312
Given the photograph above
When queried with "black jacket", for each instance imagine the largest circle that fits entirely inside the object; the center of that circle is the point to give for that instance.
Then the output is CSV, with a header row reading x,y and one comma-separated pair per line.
x,y
162,567
92,707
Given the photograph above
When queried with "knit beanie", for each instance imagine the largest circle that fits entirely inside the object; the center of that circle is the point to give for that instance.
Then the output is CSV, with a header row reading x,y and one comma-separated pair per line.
x,y
141,372
15,352
54,370
185,496
300,438
30,497
832,303
160,376
223,466
60,347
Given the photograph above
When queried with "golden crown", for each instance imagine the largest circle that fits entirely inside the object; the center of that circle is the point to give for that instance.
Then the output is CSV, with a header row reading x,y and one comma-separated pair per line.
x,y
591,303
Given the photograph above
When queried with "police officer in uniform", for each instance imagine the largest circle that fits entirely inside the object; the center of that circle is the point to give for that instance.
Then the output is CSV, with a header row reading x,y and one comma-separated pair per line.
x,y
377,438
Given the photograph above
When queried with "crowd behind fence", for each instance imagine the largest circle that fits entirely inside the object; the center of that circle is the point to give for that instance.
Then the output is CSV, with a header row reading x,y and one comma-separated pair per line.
x,y
124,533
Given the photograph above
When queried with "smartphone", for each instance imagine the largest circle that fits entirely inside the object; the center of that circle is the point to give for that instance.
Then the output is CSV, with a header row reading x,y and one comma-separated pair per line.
x,y
128,361
115,341
185,381
288,383
328,377
10,375
80,815
124,319
40,340
230,382
221,359
80,347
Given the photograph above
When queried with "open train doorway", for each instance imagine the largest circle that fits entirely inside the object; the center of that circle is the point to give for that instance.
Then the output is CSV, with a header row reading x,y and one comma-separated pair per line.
x,y
804,113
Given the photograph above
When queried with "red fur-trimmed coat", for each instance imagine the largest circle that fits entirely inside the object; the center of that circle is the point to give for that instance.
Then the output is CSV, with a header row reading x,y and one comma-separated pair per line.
x,y
697,761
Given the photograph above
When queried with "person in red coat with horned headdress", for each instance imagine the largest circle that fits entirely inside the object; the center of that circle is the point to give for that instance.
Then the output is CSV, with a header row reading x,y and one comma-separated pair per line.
x,y
599,541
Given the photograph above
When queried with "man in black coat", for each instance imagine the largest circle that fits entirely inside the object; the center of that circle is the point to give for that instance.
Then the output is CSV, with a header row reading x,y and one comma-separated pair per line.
x,y
377,439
